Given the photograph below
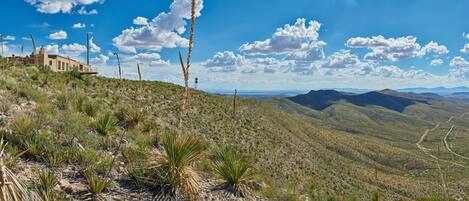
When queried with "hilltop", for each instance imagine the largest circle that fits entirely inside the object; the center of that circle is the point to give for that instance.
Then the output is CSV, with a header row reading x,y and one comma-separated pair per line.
x,y
345,149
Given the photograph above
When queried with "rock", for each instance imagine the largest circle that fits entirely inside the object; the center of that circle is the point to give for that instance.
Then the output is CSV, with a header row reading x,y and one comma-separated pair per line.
x,y
71,188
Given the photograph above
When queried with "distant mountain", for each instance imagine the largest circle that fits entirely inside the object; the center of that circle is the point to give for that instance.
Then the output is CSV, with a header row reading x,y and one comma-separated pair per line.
x,y
460,95
389,99
437,90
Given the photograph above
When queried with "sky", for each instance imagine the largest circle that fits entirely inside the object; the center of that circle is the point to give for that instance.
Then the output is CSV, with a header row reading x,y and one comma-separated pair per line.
x,y
255,45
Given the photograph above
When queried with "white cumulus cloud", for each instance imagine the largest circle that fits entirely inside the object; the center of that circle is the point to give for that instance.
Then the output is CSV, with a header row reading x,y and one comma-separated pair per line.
x,y
99,60
436,62
93,47
164,31
79,26
287,39
459,68
140,21
83,11
57,6
224,62
60,35
74,49
394,49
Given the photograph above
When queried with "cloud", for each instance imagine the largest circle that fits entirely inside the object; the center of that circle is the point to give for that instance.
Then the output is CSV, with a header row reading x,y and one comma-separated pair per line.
x,y
83,11
342,59
164,31
465,49
93,47
394,49
8,37
393,72
99,60
52,49
465,35
57,6
436,62
224,62
459,68
435,48
150,59
159,63
79,26
141,21
287,40
74,49
60,35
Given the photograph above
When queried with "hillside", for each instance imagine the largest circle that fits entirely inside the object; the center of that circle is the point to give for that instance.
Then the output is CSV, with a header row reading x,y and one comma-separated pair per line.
x,y
292,148
322,99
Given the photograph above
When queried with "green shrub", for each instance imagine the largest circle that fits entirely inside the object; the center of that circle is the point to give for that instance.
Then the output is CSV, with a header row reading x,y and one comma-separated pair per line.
x,y
62,101
105,124
47,182
90,108
24,125
234,169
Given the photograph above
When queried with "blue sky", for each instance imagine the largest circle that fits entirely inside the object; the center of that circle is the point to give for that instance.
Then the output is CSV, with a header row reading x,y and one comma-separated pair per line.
x,y
262,44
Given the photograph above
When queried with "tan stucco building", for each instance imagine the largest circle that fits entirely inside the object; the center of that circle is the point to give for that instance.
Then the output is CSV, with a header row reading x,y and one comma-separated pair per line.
x,y
56,63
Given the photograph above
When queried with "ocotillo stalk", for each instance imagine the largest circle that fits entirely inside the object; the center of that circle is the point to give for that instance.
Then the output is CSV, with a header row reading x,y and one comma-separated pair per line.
x,y
186,102
1,43
34,49
139,73
376,172
88,48
118,65
234,102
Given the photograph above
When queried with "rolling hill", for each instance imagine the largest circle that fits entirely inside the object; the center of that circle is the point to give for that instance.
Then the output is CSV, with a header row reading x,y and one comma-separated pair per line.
x,y
355,146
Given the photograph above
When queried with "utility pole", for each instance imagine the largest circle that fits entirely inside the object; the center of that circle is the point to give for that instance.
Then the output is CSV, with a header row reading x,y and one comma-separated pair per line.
x,y
88,48
118,64
139,73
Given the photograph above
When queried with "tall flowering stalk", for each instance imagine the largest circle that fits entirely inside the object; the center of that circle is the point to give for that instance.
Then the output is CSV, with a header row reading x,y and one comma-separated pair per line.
x,y
186,102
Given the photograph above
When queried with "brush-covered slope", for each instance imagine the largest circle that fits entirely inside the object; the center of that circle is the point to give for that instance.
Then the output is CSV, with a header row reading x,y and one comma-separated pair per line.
x,y
291,152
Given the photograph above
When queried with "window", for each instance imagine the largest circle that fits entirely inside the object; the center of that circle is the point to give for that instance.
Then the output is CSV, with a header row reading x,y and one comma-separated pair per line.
x,y
50,62
59,67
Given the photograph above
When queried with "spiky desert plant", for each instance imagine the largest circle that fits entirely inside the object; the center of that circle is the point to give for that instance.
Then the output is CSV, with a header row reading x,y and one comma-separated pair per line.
x,y
105,124
11,189
97,184
185,107
47,182
174,167
234,169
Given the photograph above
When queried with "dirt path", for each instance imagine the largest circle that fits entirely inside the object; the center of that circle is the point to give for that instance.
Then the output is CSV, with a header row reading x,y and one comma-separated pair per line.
x,y
448,146
427,150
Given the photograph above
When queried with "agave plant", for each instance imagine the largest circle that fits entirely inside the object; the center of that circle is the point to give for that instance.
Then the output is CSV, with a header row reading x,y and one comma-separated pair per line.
x,y
11,189
235,170
174,167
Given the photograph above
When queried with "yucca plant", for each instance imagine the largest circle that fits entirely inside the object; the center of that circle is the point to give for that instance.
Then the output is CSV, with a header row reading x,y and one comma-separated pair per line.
x,y
47,182
234,169
174,167
11,189
97,184
105,125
